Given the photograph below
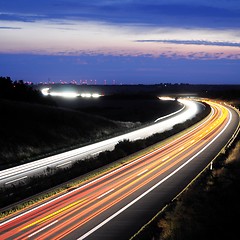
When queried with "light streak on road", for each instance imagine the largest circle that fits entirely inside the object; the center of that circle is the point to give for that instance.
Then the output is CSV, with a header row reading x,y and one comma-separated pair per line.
x,y
16,180
141,173
45,91
38,231
104,194
85,210
190,109
64,164
69,94
64,94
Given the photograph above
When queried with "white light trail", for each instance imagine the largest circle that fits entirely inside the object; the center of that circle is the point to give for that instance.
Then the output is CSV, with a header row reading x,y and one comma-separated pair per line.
x,y
45,91
191,108
16,180
93,181
69,94
64,94
104,194
41,229
154,186
141,173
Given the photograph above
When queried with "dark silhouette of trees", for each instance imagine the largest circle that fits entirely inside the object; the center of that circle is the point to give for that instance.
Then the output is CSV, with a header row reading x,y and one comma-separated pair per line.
x,y
19,91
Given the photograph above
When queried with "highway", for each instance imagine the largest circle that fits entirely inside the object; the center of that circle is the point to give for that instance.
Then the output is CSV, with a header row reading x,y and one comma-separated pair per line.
x,y
117,204
21,173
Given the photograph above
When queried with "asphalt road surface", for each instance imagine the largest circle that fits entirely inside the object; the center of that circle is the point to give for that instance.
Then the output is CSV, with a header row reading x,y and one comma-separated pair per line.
x,y
117,204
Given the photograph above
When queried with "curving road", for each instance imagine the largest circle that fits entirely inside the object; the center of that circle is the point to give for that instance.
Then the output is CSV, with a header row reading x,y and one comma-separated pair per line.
x,y
117,204
21,173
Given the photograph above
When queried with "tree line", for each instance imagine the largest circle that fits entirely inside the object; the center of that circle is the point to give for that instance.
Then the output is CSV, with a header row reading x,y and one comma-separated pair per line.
x,y
20,91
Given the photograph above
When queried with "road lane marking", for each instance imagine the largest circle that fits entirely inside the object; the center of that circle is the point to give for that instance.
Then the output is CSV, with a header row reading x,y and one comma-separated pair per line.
x,y
41,229
53,214
16,180
105,193
63,164
106,175
171,114
166,158
142,172
156,185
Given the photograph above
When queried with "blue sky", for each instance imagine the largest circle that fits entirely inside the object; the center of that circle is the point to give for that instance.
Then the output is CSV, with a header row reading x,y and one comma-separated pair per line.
x,y
128,41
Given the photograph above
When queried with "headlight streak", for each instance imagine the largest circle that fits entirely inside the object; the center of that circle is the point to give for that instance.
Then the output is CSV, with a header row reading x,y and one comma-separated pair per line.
x,y
124,185
104,192
169,115
39,165
112,203
16,180
69,94
40,230
155,186
63,215
64,94
128,165
45,91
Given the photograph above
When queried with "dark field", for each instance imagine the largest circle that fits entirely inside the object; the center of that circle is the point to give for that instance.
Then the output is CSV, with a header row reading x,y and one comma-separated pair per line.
x,y
31,131
126,108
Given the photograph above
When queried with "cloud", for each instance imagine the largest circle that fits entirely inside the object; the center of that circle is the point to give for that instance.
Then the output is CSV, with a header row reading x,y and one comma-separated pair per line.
x,y
75,37
162,13
10,28
194,42
21,17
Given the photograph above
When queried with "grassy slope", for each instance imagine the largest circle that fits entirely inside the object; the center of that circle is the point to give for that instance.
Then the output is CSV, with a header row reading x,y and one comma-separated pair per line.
x,y
133,108
29,130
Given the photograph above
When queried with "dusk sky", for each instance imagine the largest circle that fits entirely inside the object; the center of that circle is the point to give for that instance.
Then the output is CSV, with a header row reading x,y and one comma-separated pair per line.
x,y
128,41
